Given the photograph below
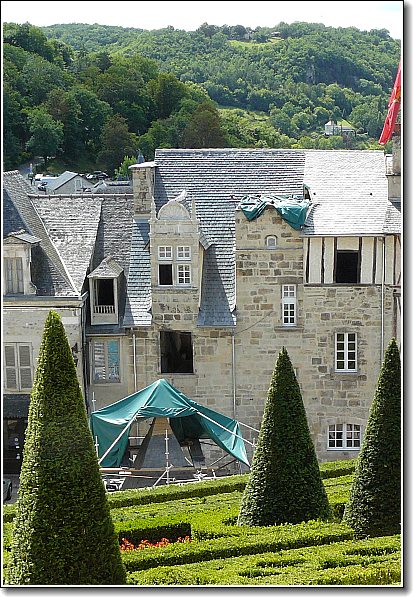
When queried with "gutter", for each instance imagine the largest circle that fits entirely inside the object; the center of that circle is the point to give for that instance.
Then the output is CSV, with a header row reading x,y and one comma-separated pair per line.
x,y
234,387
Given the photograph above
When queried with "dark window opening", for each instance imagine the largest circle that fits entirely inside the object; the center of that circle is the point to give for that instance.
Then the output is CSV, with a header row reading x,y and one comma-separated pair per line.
x,y
165,274
347,267
176,352
104,292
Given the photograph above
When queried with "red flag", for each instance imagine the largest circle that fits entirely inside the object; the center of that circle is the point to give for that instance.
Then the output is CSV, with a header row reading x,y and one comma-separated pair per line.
x,y
394,106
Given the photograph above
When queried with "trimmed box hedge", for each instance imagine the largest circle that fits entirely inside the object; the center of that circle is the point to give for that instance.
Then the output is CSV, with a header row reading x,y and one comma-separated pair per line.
x,y
265,539
372,561
135,497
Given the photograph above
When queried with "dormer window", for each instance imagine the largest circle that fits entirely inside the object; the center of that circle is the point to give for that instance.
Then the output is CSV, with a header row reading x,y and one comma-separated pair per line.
x,y
17,247
104,286
14,275
183,253
104,295
184,275
171,272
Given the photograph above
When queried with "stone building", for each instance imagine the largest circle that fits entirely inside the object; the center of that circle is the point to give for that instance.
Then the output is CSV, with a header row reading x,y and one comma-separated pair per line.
x,y
174,281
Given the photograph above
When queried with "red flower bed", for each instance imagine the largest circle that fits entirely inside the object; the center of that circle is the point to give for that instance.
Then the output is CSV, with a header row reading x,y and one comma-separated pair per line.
x,y
126,545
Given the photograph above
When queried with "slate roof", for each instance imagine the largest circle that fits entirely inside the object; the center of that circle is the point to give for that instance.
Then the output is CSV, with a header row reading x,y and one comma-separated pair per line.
x,y
114,238
113,188
49,273
24,236
54,185
393,218
108,268
138,301
349,190
71,222
218,179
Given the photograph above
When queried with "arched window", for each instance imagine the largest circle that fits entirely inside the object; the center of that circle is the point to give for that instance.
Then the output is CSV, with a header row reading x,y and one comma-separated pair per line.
x,y
271,242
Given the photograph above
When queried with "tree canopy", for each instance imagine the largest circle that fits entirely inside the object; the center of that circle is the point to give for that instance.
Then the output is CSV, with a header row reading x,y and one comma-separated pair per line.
x,y
282,84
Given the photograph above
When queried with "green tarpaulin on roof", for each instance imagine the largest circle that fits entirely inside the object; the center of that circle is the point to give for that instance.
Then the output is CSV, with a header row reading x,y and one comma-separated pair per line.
x,y
188,420
290,207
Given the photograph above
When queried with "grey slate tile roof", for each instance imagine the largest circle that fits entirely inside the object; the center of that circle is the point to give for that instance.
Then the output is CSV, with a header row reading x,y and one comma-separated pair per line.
x,y
71,223
218,179
393,218
49,275
114,238
53,185
138,301
113,188
108,268
350,191
24,236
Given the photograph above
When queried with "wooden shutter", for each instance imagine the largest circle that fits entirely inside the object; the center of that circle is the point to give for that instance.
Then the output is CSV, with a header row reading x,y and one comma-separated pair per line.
x,y
11,367
25,366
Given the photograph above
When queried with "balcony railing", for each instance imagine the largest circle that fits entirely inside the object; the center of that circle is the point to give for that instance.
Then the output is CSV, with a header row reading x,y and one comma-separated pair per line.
x,y
104,309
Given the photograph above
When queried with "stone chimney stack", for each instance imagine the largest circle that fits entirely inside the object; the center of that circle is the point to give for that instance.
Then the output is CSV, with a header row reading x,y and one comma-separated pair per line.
x,y
143,182
394,167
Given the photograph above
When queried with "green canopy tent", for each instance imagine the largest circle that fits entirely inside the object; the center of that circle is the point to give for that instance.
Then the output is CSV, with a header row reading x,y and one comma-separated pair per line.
x,y
188,420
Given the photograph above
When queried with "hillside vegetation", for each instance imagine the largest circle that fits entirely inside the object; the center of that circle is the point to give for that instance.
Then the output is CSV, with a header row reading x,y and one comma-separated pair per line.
x,y
272,87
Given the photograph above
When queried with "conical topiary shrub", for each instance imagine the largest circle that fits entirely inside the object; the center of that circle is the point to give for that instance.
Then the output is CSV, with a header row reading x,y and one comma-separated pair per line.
x,y
284,484
374,506
63,533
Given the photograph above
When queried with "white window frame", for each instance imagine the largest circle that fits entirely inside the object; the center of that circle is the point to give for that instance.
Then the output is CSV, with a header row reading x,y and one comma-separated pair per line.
x,y
20,370
269,239
107,379
165,253
344,352
289,305
346,433
14,276
183,253
183,272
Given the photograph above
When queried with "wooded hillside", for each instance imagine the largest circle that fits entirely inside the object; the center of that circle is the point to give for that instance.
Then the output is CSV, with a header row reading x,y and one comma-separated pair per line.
x,y
217,86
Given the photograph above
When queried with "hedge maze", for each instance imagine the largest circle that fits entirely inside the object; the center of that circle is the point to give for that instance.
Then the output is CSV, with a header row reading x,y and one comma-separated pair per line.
x,y
221,553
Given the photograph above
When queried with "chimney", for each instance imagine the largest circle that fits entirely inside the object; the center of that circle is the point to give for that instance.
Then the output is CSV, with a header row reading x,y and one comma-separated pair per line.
x,y
397,150
394,166
143,182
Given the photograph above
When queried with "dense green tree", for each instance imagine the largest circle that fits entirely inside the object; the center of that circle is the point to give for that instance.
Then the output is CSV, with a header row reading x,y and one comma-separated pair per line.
x,y
30,38
204,128
63,532
117,142
93,115
284,485
13,126
374,506
167,92
62,106
46,134
123,172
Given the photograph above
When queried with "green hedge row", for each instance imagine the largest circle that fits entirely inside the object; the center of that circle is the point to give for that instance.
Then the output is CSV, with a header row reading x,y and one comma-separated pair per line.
x,y
263,540
135,497
372,561
206,504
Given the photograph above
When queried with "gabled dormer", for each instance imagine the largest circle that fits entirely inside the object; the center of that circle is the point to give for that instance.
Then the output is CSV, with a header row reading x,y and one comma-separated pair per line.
x,y
17,255
176,245
104,283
